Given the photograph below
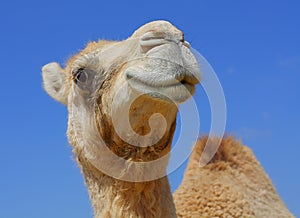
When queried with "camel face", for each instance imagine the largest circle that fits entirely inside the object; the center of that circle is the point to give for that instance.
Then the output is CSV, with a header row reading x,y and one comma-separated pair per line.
x,y
122,100
126,93
167,68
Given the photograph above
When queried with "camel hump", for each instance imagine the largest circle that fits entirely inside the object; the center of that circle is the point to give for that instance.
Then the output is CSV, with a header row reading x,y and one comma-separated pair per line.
x,y
232,184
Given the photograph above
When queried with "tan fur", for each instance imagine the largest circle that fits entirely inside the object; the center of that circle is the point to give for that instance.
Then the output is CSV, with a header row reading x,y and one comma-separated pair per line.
x,y
115,198
111,197
233,184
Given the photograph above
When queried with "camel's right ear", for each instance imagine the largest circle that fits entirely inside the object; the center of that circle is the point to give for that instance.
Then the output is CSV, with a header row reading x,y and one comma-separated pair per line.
x,y
54,81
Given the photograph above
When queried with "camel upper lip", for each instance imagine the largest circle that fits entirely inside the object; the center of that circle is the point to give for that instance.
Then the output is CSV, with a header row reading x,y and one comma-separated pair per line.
x,y
163,81
176,90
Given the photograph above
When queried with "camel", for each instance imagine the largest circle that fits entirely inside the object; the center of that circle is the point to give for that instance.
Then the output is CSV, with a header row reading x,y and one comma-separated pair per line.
x,y
122,99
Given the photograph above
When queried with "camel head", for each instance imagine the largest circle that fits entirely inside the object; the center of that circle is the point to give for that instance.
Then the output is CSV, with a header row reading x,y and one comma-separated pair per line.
x,y
122,96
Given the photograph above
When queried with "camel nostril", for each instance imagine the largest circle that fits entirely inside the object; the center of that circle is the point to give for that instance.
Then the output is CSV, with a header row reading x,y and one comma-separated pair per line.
x,y
152,35
182,39
183,82
151,39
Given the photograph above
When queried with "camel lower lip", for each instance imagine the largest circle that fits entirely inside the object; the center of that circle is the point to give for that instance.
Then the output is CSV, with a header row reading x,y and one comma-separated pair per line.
x,y
178,92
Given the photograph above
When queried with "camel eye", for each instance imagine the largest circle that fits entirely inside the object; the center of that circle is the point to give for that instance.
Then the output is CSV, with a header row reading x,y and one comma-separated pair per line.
x,y
80,76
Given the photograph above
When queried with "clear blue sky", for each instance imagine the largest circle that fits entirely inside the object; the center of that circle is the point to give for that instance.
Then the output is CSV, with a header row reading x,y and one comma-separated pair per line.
x,y
254,47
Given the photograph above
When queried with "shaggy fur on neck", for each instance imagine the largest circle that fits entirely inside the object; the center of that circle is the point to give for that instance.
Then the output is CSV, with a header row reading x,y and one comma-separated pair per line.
x,y
116,198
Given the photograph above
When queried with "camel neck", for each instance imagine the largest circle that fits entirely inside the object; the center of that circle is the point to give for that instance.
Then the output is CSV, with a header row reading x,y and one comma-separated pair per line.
x,y
111,197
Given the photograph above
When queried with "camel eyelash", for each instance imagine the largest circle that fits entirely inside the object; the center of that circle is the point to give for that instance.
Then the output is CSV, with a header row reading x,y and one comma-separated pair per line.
x,y
79,75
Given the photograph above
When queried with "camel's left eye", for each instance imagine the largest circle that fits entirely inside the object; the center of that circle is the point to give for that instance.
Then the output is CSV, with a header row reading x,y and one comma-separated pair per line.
x,y
80,76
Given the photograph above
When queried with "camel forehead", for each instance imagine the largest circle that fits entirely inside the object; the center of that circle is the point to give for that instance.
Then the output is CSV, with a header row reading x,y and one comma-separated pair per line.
x,y
91,47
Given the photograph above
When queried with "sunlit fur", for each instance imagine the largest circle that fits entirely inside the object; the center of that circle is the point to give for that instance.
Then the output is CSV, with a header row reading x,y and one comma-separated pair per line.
x,y
90,115
232,184
224,188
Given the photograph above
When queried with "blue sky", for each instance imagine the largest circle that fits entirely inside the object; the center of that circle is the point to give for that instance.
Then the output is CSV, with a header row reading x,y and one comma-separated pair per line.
x,y
253,47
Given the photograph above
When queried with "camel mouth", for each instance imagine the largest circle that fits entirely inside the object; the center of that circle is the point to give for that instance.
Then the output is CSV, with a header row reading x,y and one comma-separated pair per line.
x,y
174,90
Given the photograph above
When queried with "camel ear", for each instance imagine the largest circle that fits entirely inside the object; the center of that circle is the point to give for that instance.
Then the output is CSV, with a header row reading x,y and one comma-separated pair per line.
x,y
54,81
